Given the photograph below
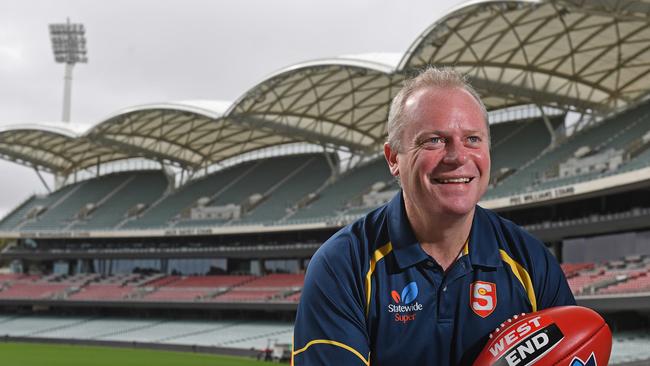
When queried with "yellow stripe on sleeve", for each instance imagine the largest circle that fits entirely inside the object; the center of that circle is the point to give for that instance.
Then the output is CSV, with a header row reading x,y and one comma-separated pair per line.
x,y
333,343
376,257
522,276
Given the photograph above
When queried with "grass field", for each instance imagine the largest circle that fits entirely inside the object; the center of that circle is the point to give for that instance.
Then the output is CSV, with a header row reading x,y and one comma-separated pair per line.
x,y
32,354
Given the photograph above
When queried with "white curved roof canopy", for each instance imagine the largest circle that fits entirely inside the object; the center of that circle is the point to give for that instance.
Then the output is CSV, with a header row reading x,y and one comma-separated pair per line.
x,y
573,54
189,134
177,132
55,150
584,55
342,102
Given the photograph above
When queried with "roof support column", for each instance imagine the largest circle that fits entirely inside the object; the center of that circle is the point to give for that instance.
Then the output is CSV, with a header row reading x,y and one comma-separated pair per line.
x,y
43,180
99,163
549,126
330,163
170,175
585,120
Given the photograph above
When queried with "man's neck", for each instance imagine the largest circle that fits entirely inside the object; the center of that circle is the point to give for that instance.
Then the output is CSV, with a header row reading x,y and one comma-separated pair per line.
x,y
441,238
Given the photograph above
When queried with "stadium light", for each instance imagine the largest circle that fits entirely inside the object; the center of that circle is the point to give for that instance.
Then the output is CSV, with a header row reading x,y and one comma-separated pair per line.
x,y
69,46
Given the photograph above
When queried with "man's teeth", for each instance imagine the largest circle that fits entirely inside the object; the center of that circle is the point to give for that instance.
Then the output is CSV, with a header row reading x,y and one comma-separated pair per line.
x,y
454,180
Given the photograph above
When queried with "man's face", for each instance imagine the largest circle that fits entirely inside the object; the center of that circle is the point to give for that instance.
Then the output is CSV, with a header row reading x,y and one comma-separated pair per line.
x,y
444,162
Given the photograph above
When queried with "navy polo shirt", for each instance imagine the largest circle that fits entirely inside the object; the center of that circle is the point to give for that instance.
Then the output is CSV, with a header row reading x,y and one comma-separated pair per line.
x,y
373,296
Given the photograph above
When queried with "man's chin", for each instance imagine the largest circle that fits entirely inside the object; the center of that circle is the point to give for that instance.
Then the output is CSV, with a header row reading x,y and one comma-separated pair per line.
x,y
457,210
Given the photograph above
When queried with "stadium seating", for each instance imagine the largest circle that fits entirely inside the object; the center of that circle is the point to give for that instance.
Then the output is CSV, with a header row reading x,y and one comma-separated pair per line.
x,y
281,280
9,277
174,294
271,287
335,197
165,209
191,288
541,172
143,188
630,347
637,282
245,295
241,334
102,292
627,275
169,331
268,177
28,290
18,217
307,179
136,287
295,297
99,328
507,149
209,281
22,326
61,214
572,269
614,277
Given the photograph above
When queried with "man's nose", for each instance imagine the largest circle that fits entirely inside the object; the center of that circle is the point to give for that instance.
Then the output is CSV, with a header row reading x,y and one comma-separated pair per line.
x,y
455,154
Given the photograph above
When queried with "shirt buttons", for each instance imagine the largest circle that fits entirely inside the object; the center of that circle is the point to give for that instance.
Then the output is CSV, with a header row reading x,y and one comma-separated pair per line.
x,y
429,264
444,289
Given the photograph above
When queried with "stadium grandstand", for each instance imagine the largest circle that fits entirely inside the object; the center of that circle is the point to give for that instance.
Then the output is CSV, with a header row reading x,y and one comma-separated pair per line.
x,y
166,212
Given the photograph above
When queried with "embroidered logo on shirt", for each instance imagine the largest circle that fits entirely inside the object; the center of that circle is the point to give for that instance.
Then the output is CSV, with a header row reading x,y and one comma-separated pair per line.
x,y
406,307
409,293
483,298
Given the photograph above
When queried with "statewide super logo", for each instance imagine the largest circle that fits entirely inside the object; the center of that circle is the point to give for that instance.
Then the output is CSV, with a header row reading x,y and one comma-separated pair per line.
x,y
405,307
483,298
591,361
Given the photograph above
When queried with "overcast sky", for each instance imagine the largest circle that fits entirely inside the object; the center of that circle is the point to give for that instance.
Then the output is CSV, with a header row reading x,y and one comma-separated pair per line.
x,y
156,51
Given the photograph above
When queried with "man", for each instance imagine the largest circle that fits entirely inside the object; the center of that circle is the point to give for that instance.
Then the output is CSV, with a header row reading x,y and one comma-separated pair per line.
x,y
425,278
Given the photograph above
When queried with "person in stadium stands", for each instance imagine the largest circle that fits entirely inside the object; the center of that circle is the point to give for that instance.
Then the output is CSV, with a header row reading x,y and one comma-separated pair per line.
x,y
425,278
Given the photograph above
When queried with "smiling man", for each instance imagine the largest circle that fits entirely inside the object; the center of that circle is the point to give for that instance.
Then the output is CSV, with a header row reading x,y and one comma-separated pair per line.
x,y
425,278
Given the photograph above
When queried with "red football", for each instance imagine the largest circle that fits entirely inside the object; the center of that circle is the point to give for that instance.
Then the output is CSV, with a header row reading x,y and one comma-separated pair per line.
x,y
564,335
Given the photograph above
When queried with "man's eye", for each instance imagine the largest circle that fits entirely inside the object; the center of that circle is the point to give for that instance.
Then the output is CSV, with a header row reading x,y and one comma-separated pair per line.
x,y
474,139
437,140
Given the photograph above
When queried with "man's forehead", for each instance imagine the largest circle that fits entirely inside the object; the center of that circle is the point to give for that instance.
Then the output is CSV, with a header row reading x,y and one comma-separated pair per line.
x,y
447,102
450,131
439,91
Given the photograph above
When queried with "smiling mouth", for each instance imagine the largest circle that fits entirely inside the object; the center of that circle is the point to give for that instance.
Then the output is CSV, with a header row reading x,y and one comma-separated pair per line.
x,y
453,180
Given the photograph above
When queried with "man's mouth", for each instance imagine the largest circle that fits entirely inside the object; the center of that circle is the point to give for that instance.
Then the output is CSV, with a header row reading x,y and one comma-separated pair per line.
x,y
453,180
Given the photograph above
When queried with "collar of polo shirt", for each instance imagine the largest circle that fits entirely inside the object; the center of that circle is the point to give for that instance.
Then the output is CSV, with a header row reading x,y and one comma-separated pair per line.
x,y
407,249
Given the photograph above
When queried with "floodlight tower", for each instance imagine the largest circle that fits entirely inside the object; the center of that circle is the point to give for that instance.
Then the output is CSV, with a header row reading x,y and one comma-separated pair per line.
x,y
69,46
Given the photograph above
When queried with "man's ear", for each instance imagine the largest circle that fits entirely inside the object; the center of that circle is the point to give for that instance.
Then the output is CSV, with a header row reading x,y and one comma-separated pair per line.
x,y
391,159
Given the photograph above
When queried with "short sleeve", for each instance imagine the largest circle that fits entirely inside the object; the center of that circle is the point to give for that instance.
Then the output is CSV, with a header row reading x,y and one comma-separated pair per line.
x,y
554,289
330,327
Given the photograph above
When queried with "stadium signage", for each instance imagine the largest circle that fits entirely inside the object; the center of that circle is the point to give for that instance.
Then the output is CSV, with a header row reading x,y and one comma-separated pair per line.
x,y
57,234
188,231
542,195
